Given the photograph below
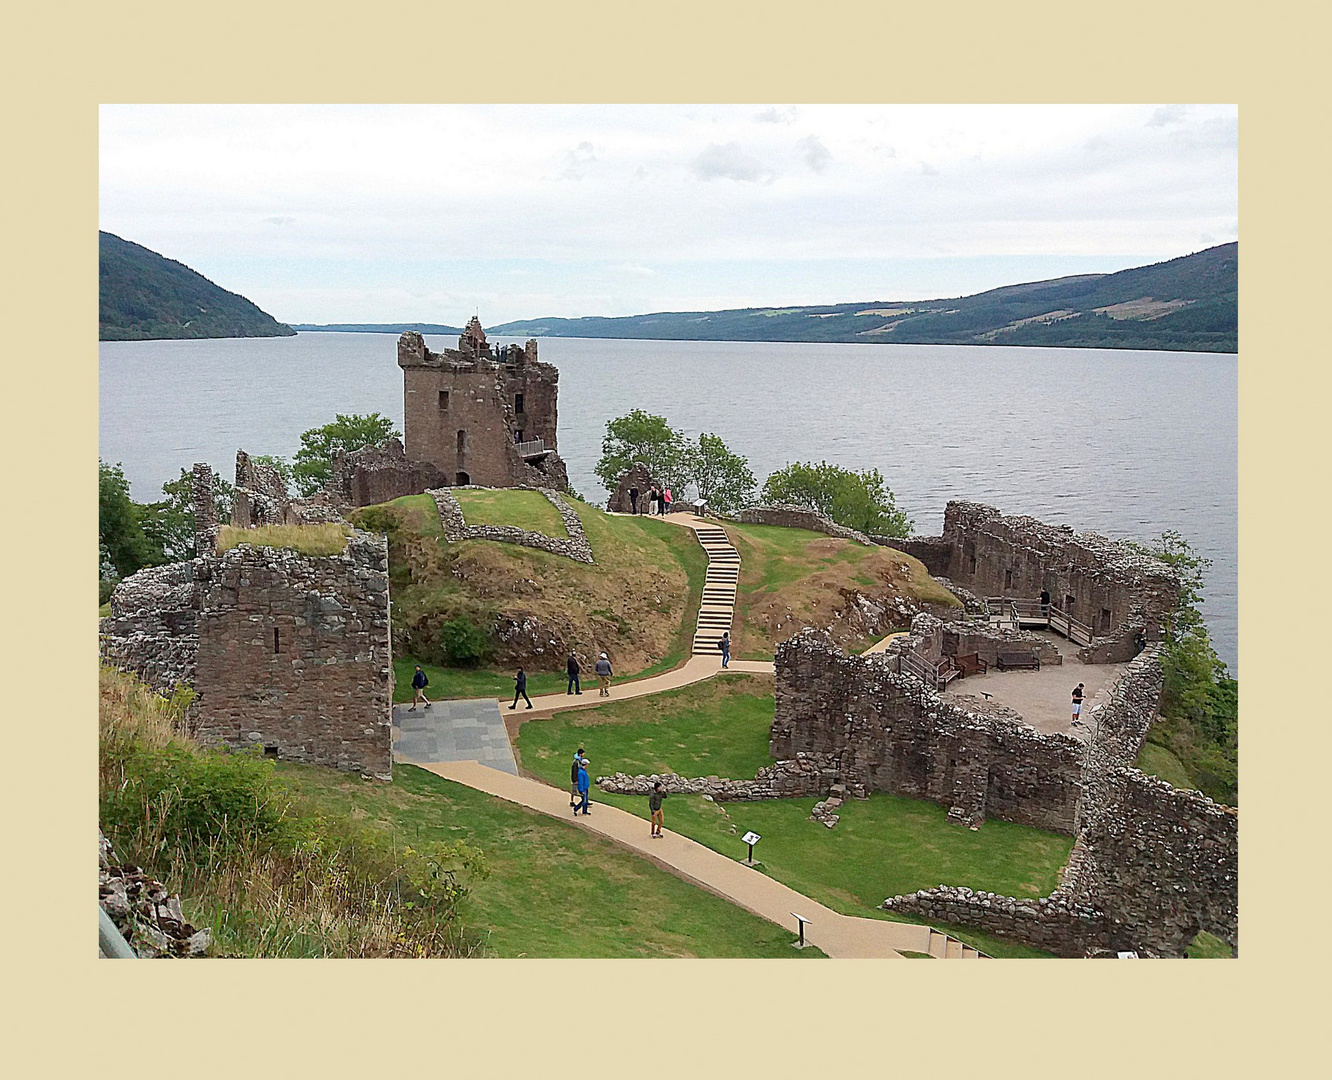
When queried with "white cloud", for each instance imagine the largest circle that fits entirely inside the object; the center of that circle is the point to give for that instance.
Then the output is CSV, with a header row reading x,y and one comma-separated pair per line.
x,y
732,162
772,115
816,155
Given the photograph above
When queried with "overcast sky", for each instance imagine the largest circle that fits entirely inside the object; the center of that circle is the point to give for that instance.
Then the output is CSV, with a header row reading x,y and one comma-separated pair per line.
x,y
397,213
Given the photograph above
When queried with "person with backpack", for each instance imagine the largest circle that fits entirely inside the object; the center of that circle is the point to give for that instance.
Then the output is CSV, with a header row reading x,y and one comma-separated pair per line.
x,y
583,784
654,805
419,683
578,760
520,688
573,670
725,646
604,673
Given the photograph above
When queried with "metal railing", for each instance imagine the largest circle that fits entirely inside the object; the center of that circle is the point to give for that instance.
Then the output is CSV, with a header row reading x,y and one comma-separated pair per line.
x,y
110,942
531,448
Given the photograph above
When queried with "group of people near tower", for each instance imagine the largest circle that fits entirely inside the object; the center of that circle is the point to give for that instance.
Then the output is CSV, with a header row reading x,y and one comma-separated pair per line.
x,y
658,500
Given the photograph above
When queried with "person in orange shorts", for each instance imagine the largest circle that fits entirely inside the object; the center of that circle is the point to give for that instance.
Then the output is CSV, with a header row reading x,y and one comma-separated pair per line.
x,y
654,804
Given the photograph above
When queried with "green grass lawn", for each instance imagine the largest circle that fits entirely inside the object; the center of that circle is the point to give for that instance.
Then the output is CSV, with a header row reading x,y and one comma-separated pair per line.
x,y
553,889
1208,947
882,846
528,510
1156,760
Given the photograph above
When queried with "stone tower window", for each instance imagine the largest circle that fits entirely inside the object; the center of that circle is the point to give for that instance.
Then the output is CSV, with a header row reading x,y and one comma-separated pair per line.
x,y
1008,579
462,442
1105,618
276,639
443,401
518,403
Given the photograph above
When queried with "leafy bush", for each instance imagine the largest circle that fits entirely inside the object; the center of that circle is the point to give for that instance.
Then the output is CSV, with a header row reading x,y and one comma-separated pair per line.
x,y
463,641
858,500
312,467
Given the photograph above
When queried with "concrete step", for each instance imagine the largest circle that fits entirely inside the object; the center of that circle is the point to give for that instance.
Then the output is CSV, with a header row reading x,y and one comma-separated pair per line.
x,y
968,953
953,949
938,944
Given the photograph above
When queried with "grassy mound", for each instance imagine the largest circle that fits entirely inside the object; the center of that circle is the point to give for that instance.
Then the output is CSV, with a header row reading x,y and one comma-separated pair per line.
x,y
790,578
328,538
882,846
471,610
507,506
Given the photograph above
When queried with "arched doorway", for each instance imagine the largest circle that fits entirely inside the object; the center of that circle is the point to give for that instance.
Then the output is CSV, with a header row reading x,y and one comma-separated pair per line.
x,y
463,479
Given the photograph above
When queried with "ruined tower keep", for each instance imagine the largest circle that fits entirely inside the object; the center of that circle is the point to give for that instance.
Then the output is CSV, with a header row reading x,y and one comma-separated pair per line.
x,y
481,414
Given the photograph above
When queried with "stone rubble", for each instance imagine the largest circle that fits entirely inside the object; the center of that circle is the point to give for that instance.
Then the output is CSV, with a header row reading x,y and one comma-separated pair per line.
x,y
146,914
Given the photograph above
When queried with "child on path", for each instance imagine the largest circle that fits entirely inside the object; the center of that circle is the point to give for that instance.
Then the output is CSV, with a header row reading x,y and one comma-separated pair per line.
x,y
604,674
578,760
573,671
419,683
725,646
654,804
583,785
520,688
1077,705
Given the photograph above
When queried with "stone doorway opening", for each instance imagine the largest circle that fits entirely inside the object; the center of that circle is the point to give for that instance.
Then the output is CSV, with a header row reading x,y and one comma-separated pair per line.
x,y
463,480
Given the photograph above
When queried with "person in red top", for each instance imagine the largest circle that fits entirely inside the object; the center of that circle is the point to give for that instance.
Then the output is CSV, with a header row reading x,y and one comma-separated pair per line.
x,y
665,500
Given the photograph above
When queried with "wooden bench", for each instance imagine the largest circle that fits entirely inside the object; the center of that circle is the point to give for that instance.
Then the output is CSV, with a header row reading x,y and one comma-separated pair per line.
x,y
944,673
1025,659
971,664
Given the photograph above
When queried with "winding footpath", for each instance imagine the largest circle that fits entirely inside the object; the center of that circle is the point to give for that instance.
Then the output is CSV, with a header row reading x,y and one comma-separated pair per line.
x,y
837,935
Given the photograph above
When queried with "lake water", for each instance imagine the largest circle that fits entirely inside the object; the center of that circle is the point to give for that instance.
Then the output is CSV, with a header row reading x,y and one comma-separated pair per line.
x,y
1123,443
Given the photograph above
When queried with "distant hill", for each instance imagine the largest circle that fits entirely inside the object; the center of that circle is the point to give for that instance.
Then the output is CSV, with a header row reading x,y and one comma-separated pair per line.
x,y
144,295
1190,303
376,328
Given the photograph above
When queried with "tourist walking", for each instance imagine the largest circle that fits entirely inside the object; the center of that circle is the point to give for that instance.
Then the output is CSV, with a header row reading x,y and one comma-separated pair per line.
x,y
1077,704
1045,603
1139,641
633,500
578,760
665,500
654,496
573,671
604,673
725,646
419,683
583,784
654,805
520,689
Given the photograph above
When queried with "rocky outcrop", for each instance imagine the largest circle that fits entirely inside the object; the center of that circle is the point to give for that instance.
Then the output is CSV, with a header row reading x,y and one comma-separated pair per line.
x,y
147,915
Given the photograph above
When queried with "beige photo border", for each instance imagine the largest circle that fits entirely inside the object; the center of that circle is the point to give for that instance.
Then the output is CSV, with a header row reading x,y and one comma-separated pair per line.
x,y
72,1015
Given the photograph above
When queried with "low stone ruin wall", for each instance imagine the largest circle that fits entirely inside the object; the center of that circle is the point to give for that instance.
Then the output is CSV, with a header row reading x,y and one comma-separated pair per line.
x,y
1153,864
798,517
379,474
888,731
147,915
575,546
962,637
800,777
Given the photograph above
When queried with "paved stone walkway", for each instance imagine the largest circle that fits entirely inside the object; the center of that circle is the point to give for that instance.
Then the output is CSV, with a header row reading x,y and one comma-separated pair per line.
x,y
836,934
457,730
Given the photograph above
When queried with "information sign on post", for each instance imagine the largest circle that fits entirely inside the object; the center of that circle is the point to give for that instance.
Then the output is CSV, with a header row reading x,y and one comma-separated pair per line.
x,y
750,838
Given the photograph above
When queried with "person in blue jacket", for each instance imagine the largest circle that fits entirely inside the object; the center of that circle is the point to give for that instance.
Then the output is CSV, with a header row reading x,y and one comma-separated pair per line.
x,y
583,785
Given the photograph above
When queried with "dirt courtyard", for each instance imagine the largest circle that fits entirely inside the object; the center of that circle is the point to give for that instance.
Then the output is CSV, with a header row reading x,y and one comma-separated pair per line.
x,y
1044,698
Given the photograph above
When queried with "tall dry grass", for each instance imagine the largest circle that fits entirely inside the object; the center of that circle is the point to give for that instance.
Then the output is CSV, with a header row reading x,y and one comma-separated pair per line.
x,y
269,876
327,538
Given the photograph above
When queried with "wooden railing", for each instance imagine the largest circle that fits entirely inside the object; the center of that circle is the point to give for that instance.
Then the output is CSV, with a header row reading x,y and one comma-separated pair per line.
x,y
1020,611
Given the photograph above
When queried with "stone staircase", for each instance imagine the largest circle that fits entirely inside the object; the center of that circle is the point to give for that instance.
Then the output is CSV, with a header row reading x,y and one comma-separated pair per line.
x,y
717,608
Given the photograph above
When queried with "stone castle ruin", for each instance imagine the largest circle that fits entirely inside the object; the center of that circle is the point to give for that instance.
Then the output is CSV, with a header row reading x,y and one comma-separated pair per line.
x,y
285,652
481,415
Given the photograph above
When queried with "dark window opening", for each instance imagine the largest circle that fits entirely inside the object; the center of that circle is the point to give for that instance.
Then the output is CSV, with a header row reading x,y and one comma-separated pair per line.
x,y
443,401
517,403
1068,604
275,639
462,442
463,479
1008,579
270,751
1105,618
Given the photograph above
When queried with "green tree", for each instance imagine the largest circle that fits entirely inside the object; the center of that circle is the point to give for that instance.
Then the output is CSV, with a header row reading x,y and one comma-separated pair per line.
x,y
640,436
119,529
313,465
281,464
724,479
858,500
169,523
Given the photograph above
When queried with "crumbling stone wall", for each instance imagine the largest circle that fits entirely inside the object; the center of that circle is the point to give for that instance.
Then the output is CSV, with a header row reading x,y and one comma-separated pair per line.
x,y
890,732
378,474
466,409
963,637
575,546
1105,584
798,517
294,654
800,777
284,651
260,496
636,476
1153,865
203,496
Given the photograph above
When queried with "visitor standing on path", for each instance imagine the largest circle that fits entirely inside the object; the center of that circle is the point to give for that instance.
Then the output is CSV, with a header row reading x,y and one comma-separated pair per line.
x,y
520,688
633,500
1045,603
578,761
665,500
1077,705
604,674
654,804
725,646
419,683
573,671
583,784
654,497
